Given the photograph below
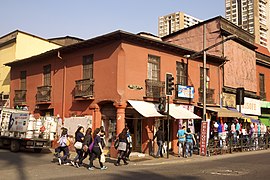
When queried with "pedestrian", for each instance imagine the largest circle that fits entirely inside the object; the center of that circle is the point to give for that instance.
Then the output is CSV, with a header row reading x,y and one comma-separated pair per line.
x,y
160,139
63,147
129,143
181,140
102,136
96,151
190,139
86,143
122,147
79,137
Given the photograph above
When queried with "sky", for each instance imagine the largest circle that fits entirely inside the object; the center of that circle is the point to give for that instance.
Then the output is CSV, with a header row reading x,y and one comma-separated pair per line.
x,y
90,18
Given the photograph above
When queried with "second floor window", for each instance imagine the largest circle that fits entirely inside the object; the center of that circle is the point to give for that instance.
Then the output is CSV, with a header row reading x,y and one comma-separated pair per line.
x,y
23,80
207,78
153,67
181,70
262,84
88,67
47,75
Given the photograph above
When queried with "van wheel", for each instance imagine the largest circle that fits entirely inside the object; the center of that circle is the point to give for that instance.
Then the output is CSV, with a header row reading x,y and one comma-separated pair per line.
x,y
15,146
37,150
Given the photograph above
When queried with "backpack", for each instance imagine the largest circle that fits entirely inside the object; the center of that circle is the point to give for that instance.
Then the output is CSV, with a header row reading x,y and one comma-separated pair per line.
x,y
116,143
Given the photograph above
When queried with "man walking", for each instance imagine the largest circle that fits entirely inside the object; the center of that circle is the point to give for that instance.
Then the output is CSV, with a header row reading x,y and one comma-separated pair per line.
x,y
181,140
160,139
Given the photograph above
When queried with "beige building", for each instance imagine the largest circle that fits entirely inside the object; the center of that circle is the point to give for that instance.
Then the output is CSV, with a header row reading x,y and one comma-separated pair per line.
x,y
14,46
251,15
174,22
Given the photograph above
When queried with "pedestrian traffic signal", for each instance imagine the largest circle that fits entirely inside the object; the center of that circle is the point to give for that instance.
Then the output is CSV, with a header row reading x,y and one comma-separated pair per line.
x,y
169,84
162,105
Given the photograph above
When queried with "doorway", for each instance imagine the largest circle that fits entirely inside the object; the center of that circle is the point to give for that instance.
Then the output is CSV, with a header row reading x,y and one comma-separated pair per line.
x,y
135,129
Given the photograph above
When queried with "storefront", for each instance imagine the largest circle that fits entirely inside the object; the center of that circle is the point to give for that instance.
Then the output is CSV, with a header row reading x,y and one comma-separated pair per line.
x,y
151,119
265,113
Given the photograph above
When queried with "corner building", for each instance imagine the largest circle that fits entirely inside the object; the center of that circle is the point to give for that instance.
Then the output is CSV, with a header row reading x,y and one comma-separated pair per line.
x,y
117,80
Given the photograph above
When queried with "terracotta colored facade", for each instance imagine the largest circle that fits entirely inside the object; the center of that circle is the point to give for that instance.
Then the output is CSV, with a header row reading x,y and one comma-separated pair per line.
x,y
263,68
120,61
239,52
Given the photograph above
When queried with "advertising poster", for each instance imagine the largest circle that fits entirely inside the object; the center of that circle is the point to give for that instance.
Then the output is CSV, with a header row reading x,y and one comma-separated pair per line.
x,y
18,122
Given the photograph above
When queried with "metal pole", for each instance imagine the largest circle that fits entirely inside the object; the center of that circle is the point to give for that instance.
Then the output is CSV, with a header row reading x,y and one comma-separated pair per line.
x,y
204,73
168,124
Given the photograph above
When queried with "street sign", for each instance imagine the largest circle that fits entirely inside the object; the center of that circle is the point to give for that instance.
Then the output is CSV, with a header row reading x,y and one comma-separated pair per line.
x,y
203,138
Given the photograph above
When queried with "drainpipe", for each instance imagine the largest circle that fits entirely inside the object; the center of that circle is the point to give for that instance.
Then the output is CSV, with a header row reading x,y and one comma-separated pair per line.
x,y
64,86
219,83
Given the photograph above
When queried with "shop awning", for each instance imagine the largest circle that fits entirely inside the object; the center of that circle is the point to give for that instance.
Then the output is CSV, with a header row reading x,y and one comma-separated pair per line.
x,y
223,112
146,109
178,112
248,118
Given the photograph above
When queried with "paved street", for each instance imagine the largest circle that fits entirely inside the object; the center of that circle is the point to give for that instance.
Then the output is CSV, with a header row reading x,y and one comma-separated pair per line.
x,y
246,165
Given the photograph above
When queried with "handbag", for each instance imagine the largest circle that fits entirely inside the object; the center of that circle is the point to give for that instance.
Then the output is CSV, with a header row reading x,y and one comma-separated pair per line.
x,y
85,148
78,145
102,158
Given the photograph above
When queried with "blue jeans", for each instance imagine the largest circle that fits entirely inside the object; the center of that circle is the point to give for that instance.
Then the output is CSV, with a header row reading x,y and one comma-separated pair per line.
x,y
181,148
189,148
159,152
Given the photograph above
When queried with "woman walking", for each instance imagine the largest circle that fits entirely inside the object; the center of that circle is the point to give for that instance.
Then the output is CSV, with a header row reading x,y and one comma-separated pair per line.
x,y
86,143
96,151
189,142
122,148
79,137
63,146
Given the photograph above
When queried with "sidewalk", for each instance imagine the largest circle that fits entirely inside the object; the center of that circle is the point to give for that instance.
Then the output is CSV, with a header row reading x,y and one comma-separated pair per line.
x,y
149,160
140,159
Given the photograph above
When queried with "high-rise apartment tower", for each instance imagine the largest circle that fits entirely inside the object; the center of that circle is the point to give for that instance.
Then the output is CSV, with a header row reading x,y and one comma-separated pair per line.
x,y
174,22
251,15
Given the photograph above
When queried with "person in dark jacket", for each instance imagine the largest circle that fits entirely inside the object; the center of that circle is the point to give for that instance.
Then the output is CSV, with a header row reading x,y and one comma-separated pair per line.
x,y
96,151
122,148
86,143
79,137
160,139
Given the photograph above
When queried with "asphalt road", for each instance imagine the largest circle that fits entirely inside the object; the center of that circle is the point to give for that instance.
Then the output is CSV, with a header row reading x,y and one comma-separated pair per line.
x,y
248,165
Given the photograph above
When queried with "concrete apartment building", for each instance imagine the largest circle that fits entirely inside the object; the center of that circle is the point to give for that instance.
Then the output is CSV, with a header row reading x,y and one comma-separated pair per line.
x,y
14,46
251,15
173,22
117,79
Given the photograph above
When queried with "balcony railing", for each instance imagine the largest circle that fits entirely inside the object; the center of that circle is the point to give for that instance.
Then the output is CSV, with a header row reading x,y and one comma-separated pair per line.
x,y
263,95
20,97
84,89
43,94
154,88
209,95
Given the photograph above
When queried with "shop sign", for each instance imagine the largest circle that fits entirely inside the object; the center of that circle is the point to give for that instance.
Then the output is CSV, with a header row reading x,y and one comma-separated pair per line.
x,y
185,91
229,100
251,106
203,138
265,104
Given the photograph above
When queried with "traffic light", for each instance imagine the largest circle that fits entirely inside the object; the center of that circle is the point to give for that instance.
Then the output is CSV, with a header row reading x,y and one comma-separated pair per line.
x,y
240,95
162,105
169,84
